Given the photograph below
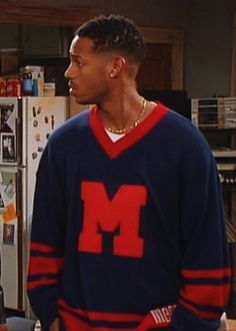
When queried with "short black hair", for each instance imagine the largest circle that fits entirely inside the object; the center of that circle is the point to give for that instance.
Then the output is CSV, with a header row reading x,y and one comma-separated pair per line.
x,y
114,33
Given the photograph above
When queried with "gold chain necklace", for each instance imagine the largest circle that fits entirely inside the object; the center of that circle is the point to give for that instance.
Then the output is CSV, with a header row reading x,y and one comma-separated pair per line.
x,y
136,122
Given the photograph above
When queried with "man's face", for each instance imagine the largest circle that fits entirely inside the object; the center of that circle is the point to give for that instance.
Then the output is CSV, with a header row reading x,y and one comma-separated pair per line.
x,y
87,72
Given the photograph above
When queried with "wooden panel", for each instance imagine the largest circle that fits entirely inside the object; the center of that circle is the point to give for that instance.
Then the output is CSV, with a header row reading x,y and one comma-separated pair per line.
x,y
38,13
174,38
155,71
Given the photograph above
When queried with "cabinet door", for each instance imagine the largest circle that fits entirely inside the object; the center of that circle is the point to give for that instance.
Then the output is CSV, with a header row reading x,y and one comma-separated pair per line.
x,y
41,40
155,71
9,35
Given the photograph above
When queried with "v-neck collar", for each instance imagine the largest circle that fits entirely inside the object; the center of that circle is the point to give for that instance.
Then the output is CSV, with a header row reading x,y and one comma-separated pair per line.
x,y
113,149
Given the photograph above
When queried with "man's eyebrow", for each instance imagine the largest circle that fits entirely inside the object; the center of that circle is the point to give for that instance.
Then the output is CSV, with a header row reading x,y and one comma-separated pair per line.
x,y
76,56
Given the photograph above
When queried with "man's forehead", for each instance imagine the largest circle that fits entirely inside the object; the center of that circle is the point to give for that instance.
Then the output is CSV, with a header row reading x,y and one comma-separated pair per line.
x,y
81,44
73,44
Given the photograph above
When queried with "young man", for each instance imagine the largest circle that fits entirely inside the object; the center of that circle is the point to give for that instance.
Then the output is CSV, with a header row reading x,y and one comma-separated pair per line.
x,y
128,230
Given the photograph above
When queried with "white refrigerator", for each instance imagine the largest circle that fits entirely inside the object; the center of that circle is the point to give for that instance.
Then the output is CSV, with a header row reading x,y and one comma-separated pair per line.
x,y
26,124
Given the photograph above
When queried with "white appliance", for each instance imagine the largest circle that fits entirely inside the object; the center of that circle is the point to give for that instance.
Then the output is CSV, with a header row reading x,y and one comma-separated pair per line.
x,y
26,124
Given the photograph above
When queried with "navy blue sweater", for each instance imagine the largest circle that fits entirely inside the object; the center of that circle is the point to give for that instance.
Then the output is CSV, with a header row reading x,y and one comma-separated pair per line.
x,y
128,235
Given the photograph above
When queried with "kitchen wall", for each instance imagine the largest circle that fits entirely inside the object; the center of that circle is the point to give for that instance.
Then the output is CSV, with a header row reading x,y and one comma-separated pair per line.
x,y
208,35
208,38
208,47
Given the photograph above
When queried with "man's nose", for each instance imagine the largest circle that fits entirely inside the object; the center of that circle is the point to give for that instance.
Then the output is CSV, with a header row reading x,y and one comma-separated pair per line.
x,y
68,72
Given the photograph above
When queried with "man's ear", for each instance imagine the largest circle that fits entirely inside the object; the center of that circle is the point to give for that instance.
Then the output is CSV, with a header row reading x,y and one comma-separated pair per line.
x,y
117,64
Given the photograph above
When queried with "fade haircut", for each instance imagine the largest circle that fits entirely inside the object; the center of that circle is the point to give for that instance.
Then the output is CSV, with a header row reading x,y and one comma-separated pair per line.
x,y
114,33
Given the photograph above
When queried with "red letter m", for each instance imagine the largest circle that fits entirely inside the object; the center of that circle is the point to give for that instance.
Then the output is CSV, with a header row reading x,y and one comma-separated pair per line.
x,y
122,211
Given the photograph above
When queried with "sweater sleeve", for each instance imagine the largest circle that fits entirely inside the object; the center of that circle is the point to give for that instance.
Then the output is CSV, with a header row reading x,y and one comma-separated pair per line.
x,y
47,240
205,270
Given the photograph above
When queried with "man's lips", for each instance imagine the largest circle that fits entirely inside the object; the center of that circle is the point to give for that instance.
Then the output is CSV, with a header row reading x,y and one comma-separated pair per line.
x,y
72,88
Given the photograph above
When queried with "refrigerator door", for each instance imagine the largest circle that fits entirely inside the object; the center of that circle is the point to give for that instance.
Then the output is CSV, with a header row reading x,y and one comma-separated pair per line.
x,y
44,114
27,123
10,132
11,229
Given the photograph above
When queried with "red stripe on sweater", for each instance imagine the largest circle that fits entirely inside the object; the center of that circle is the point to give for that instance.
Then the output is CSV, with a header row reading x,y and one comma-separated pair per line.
x,y
41,248
42,265
212,295
215,273
111,317
42,282
149,323
157,318
73,323
198,312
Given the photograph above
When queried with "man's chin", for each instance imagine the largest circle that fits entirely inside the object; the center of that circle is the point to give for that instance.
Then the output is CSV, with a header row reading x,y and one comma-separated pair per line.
x,y
79,100
84,103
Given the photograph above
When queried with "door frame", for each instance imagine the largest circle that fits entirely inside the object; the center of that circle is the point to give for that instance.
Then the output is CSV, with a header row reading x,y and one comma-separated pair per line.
x,y
233,59
45,13
175,38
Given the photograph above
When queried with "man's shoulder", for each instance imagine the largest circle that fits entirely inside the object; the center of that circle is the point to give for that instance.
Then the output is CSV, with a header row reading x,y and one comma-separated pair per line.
x,y
184,134
182,124
71,126
77,121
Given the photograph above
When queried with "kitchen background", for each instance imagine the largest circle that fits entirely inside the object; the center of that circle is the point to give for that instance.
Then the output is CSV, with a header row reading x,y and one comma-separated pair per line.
x,y
208,36
199,59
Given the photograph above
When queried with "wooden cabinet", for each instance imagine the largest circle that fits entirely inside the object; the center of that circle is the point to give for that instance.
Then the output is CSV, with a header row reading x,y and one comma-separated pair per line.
x,y
163,67
41,40
9,35
155,71
36,41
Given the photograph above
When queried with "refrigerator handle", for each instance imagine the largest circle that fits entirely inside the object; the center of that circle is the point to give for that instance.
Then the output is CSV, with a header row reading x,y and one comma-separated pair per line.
x,y
18,126
20,235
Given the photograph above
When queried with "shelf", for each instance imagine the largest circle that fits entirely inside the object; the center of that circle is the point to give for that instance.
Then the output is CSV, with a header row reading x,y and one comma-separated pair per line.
x,y
224,153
